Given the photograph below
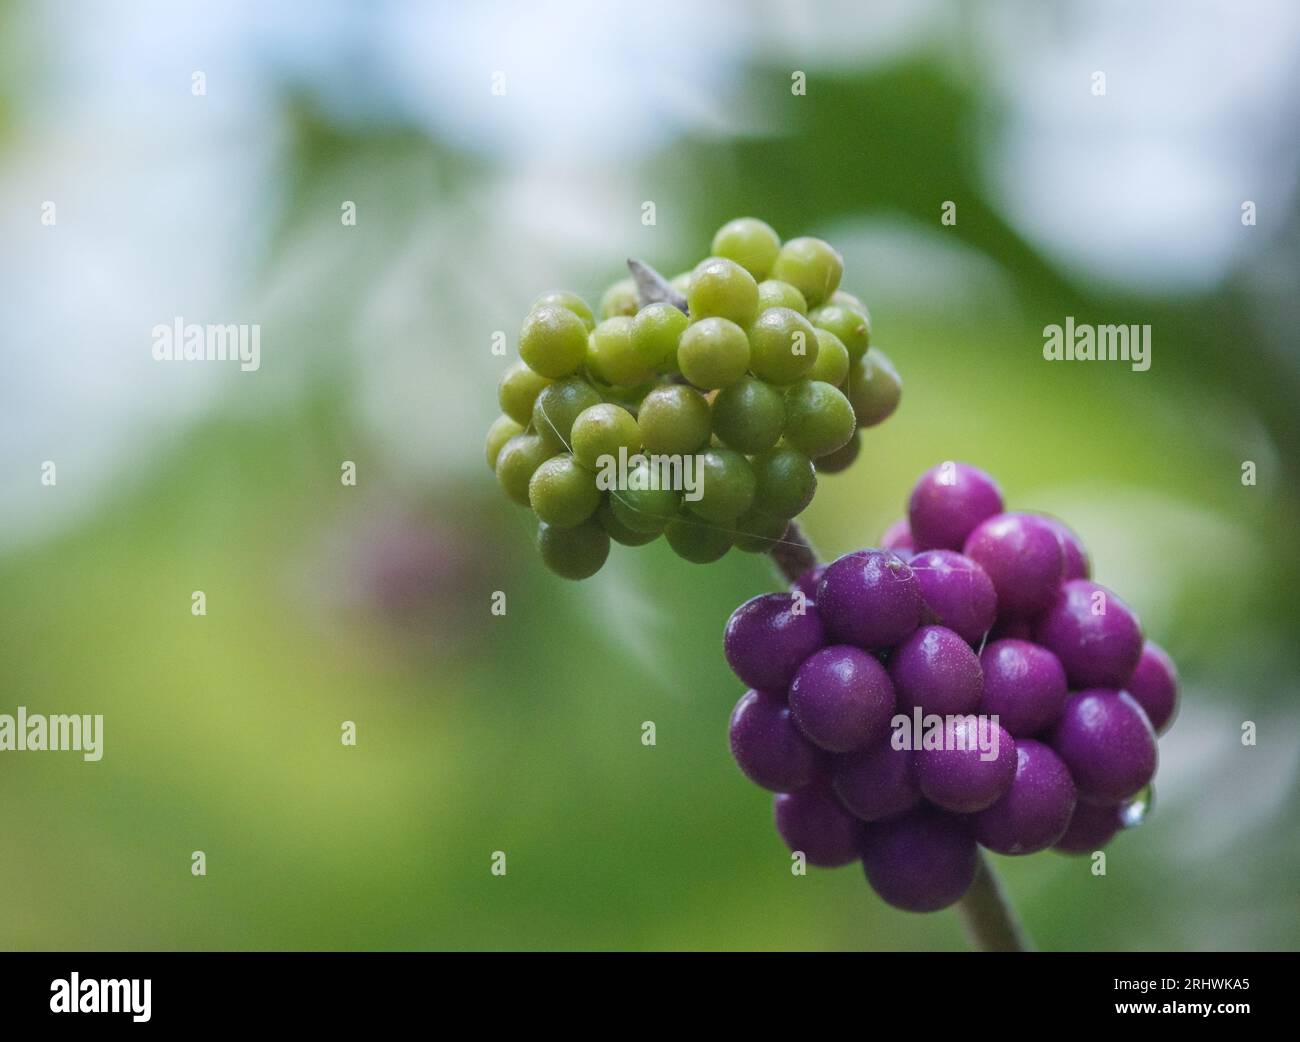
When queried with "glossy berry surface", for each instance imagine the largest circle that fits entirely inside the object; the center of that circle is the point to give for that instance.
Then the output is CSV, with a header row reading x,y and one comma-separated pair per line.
x,y
1035,811
674,420
813,822
1154,686
936,671
1095,635
1107,743
749,415
956,592
842,698
1023,556
553,341
768,747
573,553
1024,686
721,288
921,861
713,353
876,782
783,346
974,767
766,640
1092,826
812,266
751,243
818,418
948,502
869,598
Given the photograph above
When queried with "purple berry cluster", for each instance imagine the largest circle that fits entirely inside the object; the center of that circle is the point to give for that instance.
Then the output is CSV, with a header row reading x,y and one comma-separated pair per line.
x,y
966,684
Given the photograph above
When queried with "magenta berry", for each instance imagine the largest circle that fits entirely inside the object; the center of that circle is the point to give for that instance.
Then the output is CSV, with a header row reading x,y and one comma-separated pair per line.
x,y
898,536
1091,827
767,745
1024,686
1023,556
1077,564
957,592
842,698
1094,634
948,502
869,598
921,861
973,768
807,583
936,670
1036,809
813,822
1154,686
767,639
1107,742
876,783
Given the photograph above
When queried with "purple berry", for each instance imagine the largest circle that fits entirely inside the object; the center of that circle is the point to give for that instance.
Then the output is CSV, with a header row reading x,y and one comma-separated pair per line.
x,y
1154,686
767,745
898,536
1036,809
842,698
766,640
1023,557
1024,686
974,768
807,583
1091,827
919,862
1094,634
1077,565
1107,742
869,598
957,591
936,670
876,783
948,502
811,821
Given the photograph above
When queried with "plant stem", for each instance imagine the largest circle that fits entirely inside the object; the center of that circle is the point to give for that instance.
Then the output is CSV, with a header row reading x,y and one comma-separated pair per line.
x,y
990,920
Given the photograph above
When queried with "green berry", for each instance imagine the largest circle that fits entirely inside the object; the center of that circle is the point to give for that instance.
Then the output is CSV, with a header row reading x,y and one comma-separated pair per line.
x,y
727,486
846,299
851,325
618,531
832,363
697,541
783,346
749,242
502,430
819,418
518,460
713,352
721,288
611,358
756,532
518,390
573,553
786,482
562,493
553,341
674,420
562,298
641,507
841,458
812,266
773,293
619,299
655,332
749,415
874,388
558,406
600,431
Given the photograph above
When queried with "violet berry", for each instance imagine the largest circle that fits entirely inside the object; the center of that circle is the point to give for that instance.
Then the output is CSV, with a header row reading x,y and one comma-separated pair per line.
x,y
768,747
957,591
812,821
974,767
869,598
807,583
1077,564
1035,811
1154,686
898,536
921,861
1023,556
766,639
936,670
1024,686
948,502
1095,635
1091,827
877,782
1107,742
842,698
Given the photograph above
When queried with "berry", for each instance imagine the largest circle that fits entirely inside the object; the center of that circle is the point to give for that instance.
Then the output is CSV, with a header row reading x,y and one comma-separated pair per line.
x,y
1094,634
721,288
1154,686
518,460
674,420
1024,686
612,357
749,415
768,747
807,583
1107,742
573,553
1023,557
812,822
766,641
600,431
785,482
935,670
562,493
502,430
842,458
819,419
619,299
877,782
558,407
848,300
727,486
948,502
1077,565
850,325
874,388
1037,808
972,770
921,861
655,332
756,532
870,599
562,298
898,536
749,242
811,266
641,506
773,293
518,390
618,531
713,352
1091,827
553,341
832,362
696,540
783,346
842,699
957,592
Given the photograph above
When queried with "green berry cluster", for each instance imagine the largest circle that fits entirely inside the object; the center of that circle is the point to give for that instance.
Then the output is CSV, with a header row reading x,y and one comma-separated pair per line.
x,y
764,378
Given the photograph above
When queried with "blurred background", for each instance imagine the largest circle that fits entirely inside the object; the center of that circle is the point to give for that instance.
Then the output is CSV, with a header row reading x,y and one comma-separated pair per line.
x,y
371,603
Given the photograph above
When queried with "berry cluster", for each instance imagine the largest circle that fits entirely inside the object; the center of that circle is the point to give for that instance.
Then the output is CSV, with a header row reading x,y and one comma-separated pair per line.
x,y
967,683
753,365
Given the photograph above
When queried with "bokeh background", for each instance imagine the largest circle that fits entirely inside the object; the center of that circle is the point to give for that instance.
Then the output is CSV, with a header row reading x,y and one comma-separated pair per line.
x,y
477,733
